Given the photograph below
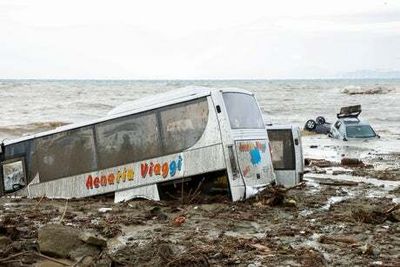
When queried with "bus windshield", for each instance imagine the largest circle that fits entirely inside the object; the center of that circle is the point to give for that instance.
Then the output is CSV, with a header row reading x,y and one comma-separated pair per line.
x,y
243,111
360,131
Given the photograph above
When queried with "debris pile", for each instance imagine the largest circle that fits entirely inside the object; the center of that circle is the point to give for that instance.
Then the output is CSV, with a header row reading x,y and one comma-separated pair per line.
x,y
375,215
278,227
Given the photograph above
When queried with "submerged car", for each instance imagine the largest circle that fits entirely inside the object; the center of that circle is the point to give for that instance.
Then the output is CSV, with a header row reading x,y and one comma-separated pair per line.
x,y
348,126
319,125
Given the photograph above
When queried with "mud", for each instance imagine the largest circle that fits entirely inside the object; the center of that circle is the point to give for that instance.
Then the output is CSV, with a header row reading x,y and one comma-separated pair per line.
x,y
314,224
342,215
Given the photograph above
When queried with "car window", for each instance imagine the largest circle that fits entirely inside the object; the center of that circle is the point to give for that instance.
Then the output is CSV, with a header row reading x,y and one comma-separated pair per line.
x,y
359,131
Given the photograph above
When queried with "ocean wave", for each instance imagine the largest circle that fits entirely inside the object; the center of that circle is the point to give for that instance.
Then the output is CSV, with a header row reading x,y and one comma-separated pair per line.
x,y
30,128
359,90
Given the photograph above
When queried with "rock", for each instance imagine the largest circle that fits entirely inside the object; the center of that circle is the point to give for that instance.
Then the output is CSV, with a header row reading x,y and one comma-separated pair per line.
x,y
84,250
93,239
4,242
58,240
352,162
290,202
321,163
396,215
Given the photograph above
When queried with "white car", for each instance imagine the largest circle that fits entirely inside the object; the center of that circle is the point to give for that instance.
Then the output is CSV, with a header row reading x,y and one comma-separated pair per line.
x,y
349,127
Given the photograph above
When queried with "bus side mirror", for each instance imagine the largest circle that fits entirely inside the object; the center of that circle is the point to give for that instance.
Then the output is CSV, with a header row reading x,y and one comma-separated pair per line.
x,y
378,136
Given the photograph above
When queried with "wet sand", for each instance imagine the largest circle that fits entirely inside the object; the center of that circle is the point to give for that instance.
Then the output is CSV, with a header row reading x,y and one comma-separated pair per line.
x,y
343,215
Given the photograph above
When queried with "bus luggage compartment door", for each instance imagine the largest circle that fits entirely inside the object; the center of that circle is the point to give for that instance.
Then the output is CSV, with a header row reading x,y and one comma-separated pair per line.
x,y
254,163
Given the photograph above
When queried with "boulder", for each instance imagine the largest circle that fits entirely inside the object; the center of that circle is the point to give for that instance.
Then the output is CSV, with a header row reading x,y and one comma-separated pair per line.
x,y
58,240
65,242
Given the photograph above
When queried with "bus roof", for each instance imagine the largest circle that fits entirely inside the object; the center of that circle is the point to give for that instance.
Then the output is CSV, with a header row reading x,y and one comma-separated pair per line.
x,y
140,105
162,99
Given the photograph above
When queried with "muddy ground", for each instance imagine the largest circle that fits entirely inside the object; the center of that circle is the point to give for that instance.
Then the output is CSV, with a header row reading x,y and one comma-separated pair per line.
x,y
333,219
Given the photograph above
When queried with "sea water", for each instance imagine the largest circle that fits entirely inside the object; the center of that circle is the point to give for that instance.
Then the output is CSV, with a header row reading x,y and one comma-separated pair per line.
x,y
29,106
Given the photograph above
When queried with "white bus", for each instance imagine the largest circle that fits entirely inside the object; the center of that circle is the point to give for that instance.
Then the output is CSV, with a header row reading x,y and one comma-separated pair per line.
x,y
146,148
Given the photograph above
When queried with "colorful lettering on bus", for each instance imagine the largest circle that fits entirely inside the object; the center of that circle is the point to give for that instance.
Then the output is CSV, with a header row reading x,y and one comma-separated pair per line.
x,y
147,169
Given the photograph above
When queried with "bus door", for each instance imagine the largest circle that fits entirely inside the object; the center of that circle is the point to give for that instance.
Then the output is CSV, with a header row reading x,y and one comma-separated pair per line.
x,y
245,144
287,155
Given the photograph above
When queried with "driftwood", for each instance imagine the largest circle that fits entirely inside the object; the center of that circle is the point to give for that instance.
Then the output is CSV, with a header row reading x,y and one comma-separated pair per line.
x,y
9,258
341,183
337,239
65,210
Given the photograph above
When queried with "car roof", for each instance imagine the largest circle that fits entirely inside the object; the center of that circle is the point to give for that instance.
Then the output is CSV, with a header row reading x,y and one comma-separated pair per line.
x,y
349,122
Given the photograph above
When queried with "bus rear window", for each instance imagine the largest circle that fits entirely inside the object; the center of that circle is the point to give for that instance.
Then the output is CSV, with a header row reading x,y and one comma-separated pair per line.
x,y
243,111
282,149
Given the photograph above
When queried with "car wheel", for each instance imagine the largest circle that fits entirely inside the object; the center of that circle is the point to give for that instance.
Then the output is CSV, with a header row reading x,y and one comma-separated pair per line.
x,y
310,125
320,120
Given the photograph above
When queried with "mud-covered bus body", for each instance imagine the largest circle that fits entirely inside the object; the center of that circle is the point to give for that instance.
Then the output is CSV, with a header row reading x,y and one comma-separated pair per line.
x,y
287,153
158,140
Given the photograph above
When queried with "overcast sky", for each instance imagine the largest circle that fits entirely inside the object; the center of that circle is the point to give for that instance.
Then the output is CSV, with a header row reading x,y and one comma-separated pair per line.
x,y
207,39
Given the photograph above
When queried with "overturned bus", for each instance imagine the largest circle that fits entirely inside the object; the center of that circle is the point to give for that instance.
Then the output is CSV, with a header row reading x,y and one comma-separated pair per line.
x,y
191,136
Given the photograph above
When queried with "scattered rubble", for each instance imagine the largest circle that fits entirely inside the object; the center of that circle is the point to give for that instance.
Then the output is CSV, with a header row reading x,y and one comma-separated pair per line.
x,y
387,174
320,222
374,215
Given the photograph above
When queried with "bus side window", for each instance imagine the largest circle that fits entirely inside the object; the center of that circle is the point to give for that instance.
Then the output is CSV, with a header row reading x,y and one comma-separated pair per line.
x,y
127,140
183,125
64,154
14,177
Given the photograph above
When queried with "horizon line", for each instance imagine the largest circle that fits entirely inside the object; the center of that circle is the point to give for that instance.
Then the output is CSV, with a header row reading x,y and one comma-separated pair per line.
x,y
199,79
